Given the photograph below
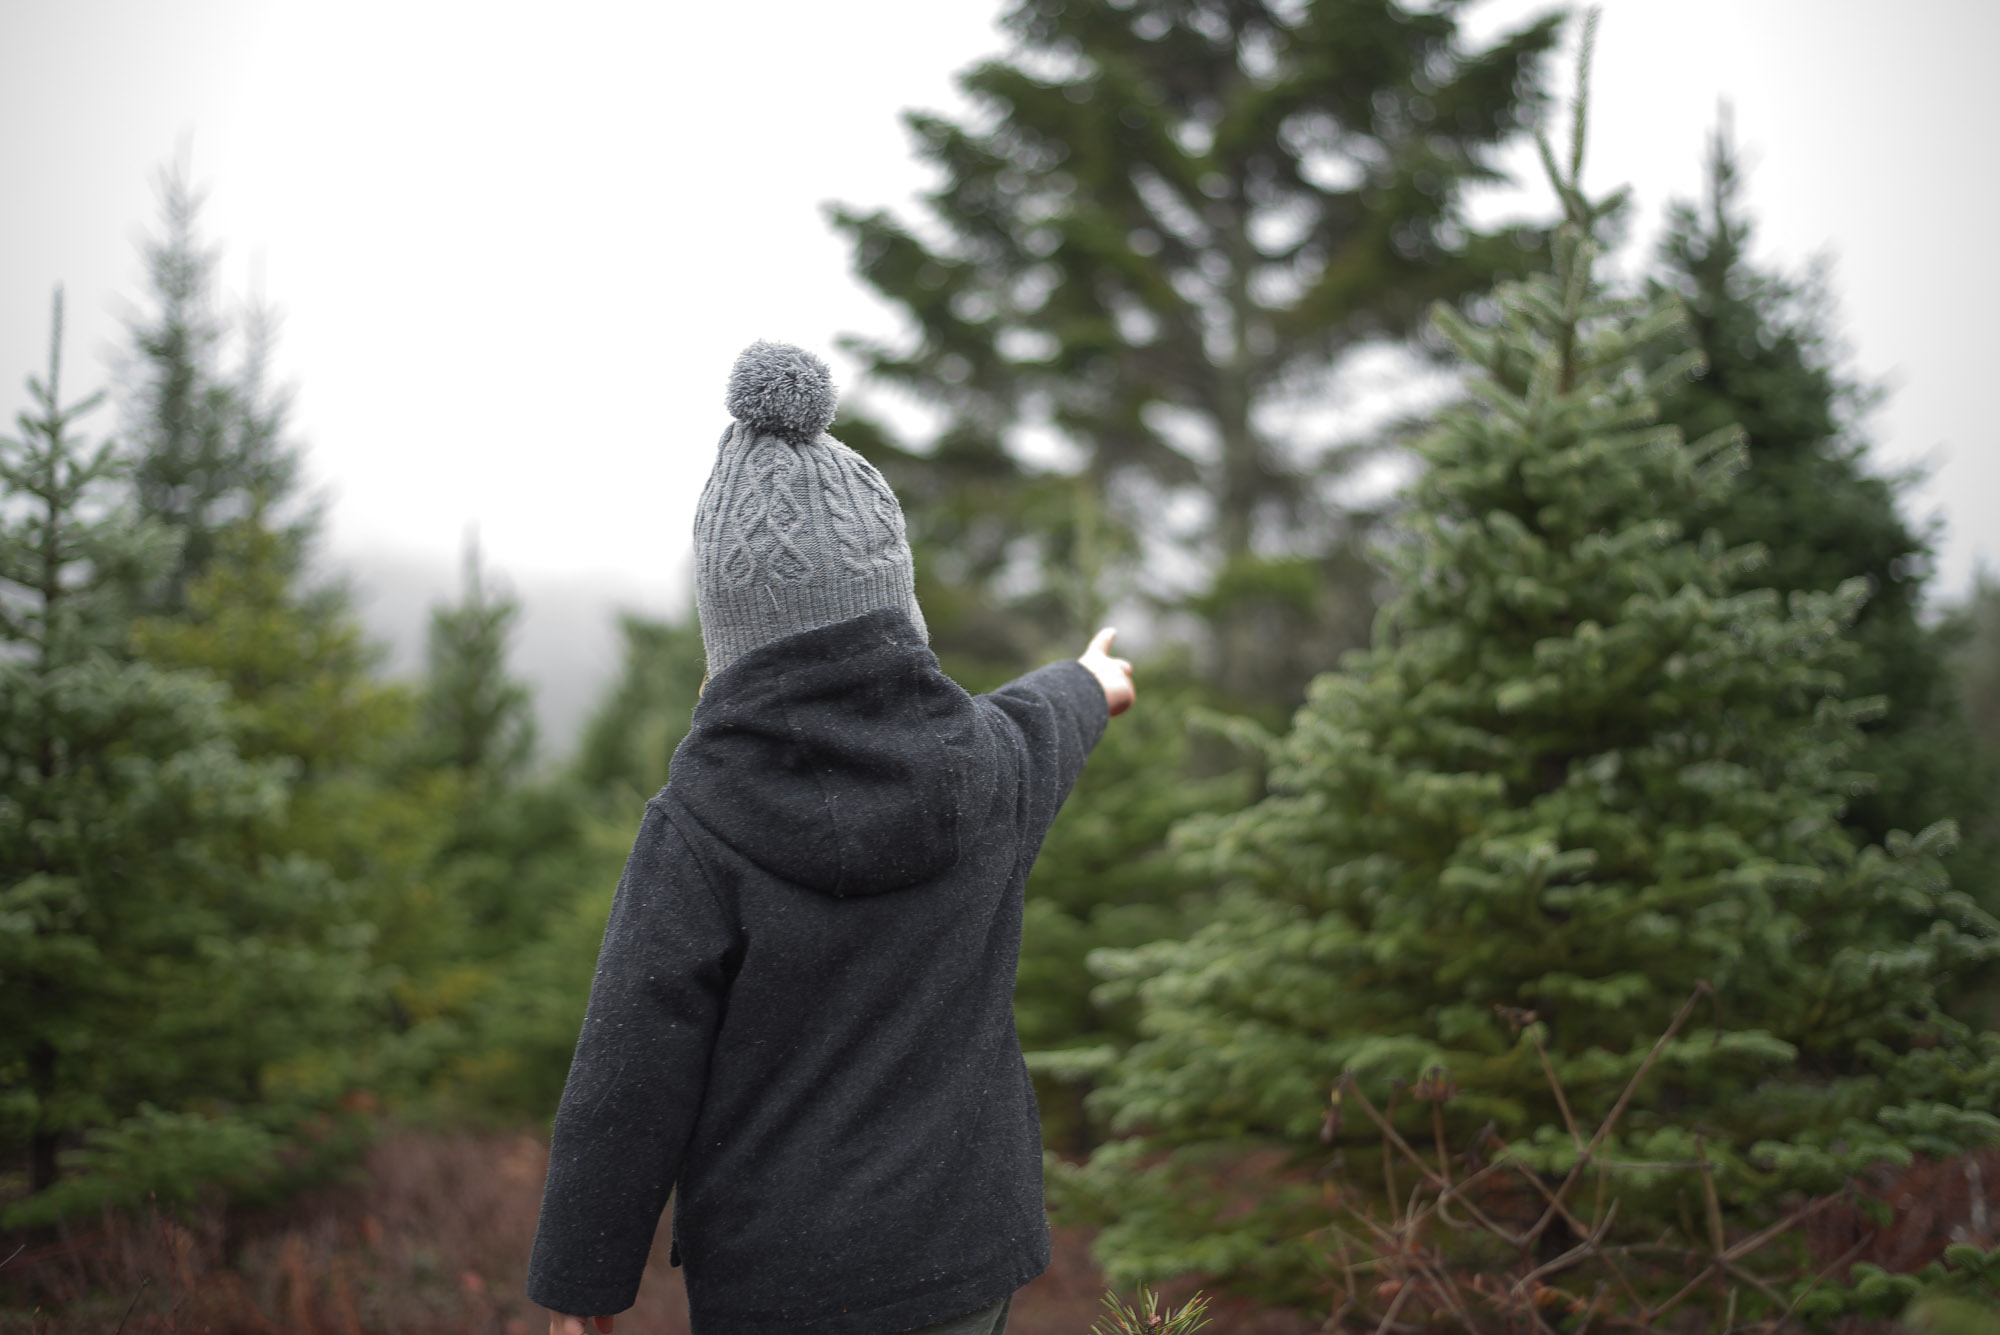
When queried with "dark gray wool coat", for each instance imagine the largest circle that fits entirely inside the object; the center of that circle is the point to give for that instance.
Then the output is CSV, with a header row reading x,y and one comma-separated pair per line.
x,y
802,1017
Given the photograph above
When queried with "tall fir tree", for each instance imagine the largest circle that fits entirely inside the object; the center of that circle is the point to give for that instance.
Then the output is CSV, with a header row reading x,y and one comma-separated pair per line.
x,y
1172,216
145,961
1578,773
209,440
1809,496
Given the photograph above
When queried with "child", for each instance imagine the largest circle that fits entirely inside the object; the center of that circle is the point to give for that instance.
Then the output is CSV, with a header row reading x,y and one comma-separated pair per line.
x,y
802,1018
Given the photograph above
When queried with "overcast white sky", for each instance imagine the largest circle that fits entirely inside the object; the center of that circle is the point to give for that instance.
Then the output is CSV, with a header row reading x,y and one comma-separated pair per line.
x,y
517,246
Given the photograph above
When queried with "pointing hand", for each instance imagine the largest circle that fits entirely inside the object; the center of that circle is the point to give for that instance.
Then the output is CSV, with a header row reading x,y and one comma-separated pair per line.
x,y
1113,674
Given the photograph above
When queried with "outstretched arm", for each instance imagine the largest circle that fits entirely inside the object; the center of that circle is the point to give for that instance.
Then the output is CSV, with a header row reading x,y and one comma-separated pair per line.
x,y
1052,717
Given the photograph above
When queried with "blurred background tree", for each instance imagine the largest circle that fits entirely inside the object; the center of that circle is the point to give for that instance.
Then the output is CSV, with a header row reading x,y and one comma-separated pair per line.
x,y
1811,498
477,719
209,441
1168,228
515,854
1171,221
648,708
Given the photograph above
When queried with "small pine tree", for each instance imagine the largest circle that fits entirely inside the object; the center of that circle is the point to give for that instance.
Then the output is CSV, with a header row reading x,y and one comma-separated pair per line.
x,y
1578,774
478,719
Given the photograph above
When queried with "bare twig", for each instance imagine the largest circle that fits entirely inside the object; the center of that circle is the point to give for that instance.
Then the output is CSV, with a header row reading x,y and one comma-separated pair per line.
x,y
1583,1251
1388,1159
1590,1312
1408,1285
144,1280
1437,1133
1562,1100
1848,1256
1555,1204
1753,1281
1390,1133
1711,1204
1701,989
1785,1225
1685,1289
1395,1306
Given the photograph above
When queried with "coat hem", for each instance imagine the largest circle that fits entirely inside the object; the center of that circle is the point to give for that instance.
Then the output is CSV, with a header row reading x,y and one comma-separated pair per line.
x,y
904,1314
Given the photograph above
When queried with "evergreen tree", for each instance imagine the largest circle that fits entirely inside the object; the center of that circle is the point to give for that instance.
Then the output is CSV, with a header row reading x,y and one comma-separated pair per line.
x,y
505,842
632,734
1578,773
477,718
144,961
1810,499
1971,634
300,670
1974,626
1173,217
503,1030
537,864
208,441
1105,877
397,839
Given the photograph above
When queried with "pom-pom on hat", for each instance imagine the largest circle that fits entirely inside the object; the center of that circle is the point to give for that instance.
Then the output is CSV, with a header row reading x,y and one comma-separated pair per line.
x,y
781,389
794,530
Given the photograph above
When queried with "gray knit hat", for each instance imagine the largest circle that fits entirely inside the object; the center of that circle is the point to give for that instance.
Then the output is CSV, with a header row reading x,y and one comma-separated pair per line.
x,y
794,530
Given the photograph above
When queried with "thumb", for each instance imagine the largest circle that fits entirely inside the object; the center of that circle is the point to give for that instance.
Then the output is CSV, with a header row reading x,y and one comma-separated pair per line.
x,y
1100,643
603,1323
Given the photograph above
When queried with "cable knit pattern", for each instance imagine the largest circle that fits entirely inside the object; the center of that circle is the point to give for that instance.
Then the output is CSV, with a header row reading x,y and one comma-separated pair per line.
x,y
792,532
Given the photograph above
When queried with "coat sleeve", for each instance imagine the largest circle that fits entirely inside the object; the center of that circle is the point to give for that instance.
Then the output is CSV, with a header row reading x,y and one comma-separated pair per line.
x,y
636,1083
1051,717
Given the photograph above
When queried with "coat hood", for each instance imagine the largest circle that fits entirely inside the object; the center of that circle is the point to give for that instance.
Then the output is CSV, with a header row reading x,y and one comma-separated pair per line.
x,y
840,759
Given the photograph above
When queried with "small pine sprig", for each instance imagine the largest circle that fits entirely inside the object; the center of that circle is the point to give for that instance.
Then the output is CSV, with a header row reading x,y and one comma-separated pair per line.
x,y
1150,1321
